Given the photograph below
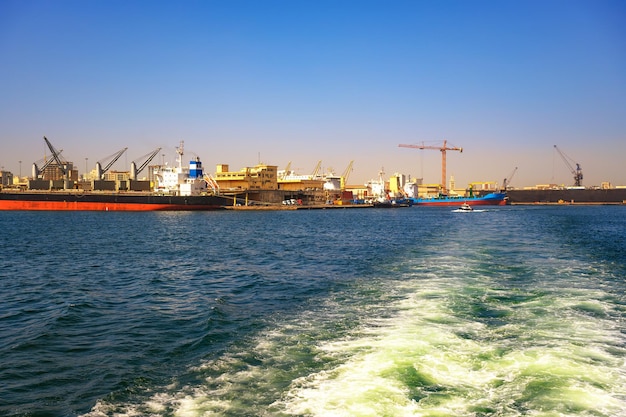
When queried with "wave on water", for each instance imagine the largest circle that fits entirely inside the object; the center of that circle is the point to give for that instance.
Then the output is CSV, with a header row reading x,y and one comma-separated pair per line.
x,y
415,312
445,337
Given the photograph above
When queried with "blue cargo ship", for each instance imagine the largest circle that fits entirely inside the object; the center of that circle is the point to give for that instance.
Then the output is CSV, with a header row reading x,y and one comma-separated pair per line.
x,y
491,199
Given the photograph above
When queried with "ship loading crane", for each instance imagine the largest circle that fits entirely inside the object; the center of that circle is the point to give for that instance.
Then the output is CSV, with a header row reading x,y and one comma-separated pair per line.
x,y
577,173
346,174
316,170
101,171
508,179
38,171
286,172
134,171
56,157
443,150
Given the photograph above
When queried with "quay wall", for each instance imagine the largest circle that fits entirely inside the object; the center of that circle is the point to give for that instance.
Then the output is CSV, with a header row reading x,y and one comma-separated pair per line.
x,y
575,196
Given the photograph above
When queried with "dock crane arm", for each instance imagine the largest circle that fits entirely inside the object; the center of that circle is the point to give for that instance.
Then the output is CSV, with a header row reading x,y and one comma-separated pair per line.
x,y
116,156
286,171
346,174
508,179
147,161
578,172
348,170
47,162
316,170
55,155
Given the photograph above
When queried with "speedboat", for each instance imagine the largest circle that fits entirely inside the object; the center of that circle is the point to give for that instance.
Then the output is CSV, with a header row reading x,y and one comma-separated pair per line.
x,y
465,207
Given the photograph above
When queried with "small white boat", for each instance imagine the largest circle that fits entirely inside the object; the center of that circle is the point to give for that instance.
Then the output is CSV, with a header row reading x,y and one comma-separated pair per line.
x,y
465,207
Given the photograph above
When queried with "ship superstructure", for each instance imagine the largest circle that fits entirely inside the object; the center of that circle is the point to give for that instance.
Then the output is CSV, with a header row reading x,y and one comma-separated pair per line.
x,y
179,180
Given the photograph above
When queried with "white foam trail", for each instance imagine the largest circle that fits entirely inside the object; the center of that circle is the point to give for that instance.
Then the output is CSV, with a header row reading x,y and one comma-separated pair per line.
x,y
537,351
428,361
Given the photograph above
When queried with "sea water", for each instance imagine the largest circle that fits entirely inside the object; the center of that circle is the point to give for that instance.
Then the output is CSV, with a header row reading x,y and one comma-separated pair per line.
x,y
514,311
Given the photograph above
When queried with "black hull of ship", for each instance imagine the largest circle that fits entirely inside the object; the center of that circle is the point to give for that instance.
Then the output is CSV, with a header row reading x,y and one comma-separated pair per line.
x,y
570,196
108,201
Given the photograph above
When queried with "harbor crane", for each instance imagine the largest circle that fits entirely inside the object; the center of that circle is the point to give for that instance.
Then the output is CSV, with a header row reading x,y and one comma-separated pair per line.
x,y
286,172
316,170
578,172
37,171
508,179
56,157
346,174
443,150
101,171
134,171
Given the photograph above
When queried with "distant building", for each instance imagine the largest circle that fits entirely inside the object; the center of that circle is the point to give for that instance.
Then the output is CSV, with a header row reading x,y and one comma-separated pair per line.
x,y
54,172
290,181
484,186
300,184
117,176
259,177
6,178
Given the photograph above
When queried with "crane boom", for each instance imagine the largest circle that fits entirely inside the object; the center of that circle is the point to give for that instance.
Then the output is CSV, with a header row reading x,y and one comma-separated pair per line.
x,y
56,156
577,172
346,174
114,160
147,161
47,161
316,170
508,179
101,171
285,173
443,150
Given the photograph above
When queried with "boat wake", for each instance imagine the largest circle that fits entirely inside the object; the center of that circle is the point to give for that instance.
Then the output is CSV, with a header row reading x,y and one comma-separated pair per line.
x,y
446,346
468,211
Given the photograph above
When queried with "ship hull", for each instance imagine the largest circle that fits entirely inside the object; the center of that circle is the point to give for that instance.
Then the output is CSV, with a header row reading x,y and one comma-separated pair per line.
x,y
568,195
493,199
63,201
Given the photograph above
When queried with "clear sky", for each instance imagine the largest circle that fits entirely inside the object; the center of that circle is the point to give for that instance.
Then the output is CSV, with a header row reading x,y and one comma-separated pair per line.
x,y
298,81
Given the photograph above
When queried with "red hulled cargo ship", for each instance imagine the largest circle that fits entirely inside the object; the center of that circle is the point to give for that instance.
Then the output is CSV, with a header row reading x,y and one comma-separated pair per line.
x,y
177,188
96,201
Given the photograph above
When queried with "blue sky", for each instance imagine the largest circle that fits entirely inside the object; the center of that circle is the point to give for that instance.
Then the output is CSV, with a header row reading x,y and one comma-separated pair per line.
x,y
243,82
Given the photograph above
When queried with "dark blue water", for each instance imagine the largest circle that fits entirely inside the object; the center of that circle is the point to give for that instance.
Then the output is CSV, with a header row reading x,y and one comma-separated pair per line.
x,y
407,312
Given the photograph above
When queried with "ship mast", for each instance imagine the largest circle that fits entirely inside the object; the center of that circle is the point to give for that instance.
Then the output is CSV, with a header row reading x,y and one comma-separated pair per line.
x,y
179,158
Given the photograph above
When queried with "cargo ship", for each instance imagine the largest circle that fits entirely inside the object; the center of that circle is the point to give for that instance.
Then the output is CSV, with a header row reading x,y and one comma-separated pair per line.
x,y
176,189
491,199
94,201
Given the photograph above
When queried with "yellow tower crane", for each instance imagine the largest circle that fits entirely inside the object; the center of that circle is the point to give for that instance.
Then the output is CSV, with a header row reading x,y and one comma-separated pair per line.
x,y
443,150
